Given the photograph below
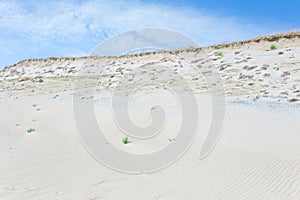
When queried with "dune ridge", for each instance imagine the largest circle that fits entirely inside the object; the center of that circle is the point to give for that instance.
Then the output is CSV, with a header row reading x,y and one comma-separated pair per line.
x,y
269,38
248,69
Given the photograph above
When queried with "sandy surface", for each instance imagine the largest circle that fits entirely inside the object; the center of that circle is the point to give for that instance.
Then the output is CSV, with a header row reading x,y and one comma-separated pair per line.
x,y
257,156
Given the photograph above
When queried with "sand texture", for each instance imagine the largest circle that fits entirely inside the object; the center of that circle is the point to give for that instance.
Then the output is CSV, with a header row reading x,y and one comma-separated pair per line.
x,y
257,156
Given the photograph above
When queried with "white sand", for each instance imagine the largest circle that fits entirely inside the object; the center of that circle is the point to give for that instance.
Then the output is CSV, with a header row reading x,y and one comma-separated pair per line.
x,y
257,157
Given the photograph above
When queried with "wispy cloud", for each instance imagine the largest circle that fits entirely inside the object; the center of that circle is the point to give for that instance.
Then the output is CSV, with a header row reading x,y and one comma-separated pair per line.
x,y
64,26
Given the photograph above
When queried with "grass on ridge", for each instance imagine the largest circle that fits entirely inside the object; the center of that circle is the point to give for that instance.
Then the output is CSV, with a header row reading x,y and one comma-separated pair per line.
x,y
273,47
219,53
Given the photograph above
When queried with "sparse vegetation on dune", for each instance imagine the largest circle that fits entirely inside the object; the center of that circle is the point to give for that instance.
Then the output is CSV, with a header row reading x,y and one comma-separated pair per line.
x,y
273,47
125,140
31,130
219,53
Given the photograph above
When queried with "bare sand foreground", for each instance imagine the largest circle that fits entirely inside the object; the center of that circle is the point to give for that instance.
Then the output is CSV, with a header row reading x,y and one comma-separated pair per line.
x,y
257,157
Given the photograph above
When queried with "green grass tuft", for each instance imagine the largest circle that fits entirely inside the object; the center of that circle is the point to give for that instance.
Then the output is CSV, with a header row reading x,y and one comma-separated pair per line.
x,y
272,47
219,53
31,130
125,140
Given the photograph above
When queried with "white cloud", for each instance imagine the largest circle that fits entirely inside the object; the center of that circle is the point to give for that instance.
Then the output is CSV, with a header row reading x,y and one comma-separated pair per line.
x,y
69,21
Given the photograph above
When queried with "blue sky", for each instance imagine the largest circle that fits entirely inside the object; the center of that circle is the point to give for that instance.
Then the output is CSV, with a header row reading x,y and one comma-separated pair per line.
x,y
35,29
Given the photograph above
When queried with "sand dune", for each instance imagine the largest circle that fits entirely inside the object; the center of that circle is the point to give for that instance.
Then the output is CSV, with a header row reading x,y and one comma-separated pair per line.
x,y
257,156
247,69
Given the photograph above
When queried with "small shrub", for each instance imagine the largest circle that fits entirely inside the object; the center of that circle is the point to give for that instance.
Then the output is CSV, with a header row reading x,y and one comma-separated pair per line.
x,y
219,53
34,105
31,130
125,140
272,47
